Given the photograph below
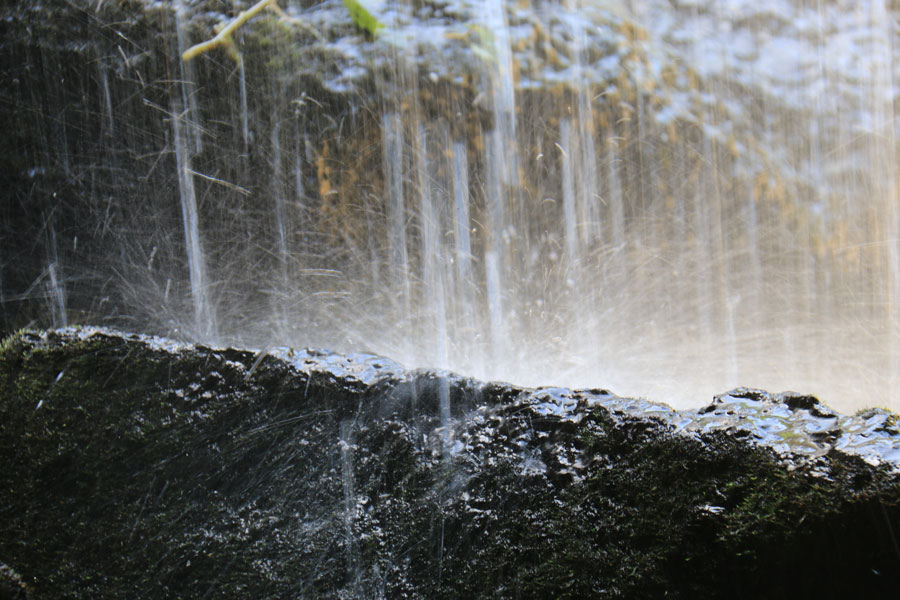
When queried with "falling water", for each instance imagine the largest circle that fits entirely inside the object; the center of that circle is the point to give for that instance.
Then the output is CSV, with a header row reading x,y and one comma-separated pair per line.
x,y
354,571
204,320
398,259
245,111
668,199
57,297
282,224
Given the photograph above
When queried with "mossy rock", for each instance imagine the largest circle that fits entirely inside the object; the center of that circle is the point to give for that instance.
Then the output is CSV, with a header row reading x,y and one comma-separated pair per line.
x,y
136,467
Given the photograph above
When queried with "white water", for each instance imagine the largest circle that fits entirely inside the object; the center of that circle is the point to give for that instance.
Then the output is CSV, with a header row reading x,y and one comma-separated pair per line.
x,y
702,283
689,236
204,315
667,199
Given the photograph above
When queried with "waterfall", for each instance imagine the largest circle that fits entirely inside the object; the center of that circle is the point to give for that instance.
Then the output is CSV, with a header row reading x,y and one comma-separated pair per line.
x,y
665,199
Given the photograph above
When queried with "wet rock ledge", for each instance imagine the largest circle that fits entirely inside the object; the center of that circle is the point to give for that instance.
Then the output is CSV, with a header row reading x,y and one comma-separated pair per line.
x,y
136,467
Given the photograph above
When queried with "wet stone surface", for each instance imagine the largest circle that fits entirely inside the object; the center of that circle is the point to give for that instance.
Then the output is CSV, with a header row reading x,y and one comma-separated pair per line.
x,y
798,425
142,467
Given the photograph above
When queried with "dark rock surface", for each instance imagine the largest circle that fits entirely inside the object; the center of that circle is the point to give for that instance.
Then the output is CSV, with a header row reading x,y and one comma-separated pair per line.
x,y
139,468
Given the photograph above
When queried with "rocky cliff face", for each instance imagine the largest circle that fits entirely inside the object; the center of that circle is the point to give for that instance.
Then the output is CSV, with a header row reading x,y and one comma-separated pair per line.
x,y
138,467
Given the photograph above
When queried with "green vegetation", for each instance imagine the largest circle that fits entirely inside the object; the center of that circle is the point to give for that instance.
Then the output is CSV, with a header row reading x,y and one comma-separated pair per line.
x,y
362,18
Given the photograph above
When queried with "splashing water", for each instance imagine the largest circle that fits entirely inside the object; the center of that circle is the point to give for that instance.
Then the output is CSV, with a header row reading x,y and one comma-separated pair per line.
x,y
668,199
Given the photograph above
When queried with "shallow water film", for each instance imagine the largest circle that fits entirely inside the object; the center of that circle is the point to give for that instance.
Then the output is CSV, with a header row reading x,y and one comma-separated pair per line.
x,y
667,199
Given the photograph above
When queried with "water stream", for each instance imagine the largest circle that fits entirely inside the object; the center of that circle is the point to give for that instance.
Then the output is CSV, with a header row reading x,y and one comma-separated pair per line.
x,y
667,199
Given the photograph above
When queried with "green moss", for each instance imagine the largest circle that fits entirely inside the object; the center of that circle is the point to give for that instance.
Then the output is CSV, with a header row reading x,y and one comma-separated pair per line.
x,y
146,473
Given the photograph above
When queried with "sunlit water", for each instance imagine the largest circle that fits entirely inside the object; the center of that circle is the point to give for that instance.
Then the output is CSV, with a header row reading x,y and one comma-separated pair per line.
x,y
667,199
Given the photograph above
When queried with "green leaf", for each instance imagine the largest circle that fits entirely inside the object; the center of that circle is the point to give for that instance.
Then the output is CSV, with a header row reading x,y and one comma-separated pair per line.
x,y
362,18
